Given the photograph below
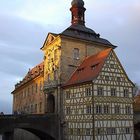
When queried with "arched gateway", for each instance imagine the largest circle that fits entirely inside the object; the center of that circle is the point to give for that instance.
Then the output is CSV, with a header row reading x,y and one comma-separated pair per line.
x,y
50,103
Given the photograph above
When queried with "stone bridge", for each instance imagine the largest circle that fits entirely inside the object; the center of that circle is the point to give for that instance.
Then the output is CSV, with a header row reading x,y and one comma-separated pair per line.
x,y
46,127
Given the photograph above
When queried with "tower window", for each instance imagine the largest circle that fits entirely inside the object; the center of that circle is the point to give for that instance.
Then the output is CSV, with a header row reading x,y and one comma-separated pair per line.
x,y
49,77
55,55
76,53
55,75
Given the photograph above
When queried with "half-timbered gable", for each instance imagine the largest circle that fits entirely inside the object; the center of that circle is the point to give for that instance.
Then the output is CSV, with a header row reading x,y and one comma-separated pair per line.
x,y
113,103
98,100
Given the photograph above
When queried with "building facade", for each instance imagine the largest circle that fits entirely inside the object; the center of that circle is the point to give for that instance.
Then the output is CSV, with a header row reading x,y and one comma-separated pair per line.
x,y
83,82
28,96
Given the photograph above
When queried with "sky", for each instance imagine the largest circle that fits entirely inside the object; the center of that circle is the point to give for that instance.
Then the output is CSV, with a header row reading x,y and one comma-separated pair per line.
x,y
24,25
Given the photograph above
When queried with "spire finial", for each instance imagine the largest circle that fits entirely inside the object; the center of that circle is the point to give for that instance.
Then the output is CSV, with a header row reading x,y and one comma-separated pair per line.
x,y
78,12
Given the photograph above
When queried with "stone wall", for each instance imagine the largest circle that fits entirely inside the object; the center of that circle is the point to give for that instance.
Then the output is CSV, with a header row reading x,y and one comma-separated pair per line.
x,y
20,134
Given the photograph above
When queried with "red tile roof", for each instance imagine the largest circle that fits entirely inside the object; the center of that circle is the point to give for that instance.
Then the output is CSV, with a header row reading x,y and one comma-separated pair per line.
x,y
89,69
33,73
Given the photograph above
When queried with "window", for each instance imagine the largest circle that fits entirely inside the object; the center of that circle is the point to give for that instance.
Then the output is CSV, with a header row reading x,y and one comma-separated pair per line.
x,y
88,109
88,132
113,92
111,131
68,110
112,66
100,91
55,75
40,107
99,131
55,55
28,90
32,89
49,58
71,131
94,66
118,79
36,87
41,86
78,131
98,109
107,78
126,93
106,109
35,108
88,92
128,110
117,109
76,53
31,108
67,95
127,130
49,78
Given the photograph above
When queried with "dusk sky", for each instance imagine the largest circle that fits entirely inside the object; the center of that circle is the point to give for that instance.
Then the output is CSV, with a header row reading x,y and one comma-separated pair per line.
x,y
24,25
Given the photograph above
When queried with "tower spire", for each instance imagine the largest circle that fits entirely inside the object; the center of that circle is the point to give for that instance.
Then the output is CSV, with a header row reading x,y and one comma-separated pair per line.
x,y
78,12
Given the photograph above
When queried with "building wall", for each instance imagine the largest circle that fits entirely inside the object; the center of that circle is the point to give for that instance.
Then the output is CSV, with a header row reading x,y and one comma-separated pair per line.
x,y
68,62
103,109
78,112
29,98
20,134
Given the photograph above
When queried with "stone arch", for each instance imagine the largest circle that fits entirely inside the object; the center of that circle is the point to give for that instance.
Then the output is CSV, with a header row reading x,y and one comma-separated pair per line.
x,y
9,134
50,103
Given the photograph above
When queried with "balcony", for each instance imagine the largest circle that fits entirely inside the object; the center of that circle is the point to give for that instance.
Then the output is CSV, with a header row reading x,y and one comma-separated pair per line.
x,y
50,85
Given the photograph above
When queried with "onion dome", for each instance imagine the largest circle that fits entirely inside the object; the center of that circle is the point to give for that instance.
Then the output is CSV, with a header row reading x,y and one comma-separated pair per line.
x,y
79,3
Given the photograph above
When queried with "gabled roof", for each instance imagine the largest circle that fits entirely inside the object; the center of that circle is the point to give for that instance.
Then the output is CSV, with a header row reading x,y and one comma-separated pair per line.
x,y
89,69
32,74
84,33
50,37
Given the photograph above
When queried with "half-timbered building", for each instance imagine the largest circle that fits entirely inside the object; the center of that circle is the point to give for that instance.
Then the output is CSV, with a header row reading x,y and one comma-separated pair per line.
x,y
98,101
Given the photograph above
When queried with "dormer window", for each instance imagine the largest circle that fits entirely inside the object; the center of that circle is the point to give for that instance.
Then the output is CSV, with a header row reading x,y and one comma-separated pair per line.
x,y
94,66
76,53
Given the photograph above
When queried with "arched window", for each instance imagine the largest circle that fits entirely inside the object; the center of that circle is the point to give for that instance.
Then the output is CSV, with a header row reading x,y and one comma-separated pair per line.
x,y
76,53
